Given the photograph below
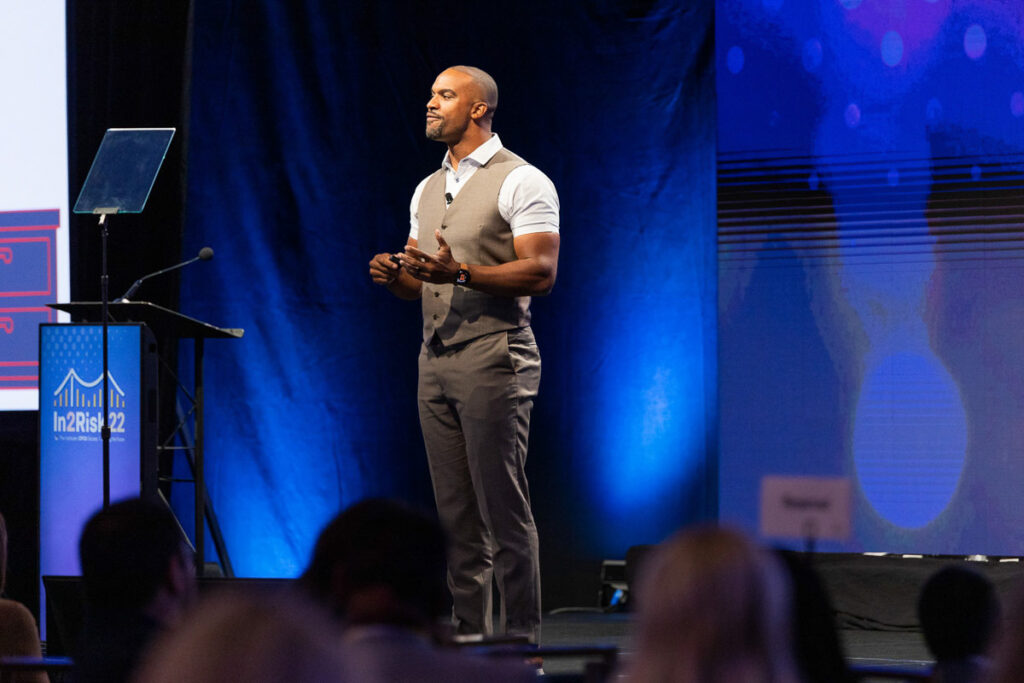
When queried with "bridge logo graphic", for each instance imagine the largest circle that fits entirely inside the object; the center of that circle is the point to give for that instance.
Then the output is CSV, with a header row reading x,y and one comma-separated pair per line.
x,y
78,409
74,392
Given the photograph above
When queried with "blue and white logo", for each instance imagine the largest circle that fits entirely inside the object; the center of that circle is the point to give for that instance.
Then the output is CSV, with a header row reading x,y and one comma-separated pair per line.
x,y
78,408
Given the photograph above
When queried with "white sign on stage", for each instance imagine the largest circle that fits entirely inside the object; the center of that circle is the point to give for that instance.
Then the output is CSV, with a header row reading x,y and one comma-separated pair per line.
x,y
809,508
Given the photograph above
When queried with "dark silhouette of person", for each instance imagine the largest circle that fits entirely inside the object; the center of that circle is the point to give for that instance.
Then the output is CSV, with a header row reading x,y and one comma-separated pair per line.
x,y
714,607
19,635
246,636
138,577
817,648
379,562
379,567
959,612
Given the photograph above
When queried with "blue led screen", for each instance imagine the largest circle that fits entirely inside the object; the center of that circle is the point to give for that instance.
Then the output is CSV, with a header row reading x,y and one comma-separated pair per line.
x,y
870,159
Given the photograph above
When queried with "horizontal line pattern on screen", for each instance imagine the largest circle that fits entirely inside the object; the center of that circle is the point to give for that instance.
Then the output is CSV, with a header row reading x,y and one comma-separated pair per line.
x,y
777,206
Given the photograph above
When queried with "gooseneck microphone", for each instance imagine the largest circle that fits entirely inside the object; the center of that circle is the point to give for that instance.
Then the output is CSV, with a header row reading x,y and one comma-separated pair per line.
x,y
205,254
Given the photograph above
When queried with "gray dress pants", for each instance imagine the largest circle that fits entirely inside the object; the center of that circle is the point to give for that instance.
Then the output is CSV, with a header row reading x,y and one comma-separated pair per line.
x,y
474,404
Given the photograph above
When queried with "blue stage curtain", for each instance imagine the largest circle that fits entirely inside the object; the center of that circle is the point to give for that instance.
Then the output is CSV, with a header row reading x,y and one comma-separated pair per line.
x,y
305,143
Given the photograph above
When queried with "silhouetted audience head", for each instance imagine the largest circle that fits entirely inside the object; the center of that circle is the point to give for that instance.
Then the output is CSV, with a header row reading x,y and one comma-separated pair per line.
x,y
816,644
138,577
379,562
959,611
18,633
233,637
133,555
379,567
713,608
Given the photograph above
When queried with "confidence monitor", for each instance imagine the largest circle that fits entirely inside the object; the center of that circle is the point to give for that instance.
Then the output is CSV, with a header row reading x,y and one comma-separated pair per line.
x,y
124,170
70,417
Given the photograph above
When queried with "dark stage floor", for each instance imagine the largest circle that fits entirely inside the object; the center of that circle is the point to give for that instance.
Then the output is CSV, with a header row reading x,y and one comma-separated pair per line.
x,y
888,649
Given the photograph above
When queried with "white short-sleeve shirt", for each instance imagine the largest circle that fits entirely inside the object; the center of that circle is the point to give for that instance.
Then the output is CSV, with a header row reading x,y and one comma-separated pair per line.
x,y
527,200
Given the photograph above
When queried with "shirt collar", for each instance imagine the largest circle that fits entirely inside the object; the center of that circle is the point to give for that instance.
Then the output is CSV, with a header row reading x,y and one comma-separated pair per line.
x,y
479,156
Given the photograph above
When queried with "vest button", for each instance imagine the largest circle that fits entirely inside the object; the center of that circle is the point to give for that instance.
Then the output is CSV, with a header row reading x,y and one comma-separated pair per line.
x,y
444,226
435,316
437,293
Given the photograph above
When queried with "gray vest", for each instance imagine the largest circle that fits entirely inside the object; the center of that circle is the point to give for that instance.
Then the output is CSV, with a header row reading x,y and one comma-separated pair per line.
x,y
478,235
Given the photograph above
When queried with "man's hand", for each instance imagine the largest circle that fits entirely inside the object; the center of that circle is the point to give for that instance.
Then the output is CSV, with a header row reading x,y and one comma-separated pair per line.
x,y
383,270
440,268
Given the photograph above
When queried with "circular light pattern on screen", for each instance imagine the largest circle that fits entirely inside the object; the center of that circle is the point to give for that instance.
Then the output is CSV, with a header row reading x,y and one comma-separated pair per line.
x,y
852,115
812,54
893,177
1017,104
909,439
975,41
933,110
892,48
975,173
734,59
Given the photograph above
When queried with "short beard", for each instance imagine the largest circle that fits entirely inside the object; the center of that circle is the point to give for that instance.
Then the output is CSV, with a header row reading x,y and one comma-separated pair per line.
x,y
435,132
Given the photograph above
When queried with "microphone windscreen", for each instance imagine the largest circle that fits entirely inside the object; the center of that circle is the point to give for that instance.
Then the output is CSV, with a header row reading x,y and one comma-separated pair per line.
x,y
205,254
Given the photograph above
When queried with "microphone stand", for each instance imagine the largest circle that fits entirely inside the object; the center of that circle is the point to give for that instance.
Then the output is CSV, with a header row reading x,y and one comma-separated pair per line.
x,y
205,254
105,297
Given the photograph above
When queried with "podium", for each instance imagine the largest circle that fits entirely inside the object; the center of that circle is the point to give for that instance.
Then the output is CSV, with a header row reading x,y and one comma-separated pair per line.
x,y
70,418
165,322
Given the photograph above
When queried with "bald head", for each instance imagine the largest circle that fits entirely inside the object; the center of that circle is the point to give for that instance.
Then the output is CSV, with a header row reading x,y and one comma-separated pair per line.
x,y
487,88
460,108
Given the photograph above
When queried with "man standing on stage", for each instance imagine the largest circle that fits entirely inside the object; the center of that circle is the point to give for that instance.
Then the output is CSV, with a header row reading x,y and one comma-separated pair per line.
x,y
483,240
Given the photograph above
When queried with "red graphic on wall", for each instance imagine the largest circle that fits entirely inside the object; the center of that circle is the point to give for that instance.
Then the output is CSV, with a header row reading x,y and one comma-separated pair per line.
x,y
28,281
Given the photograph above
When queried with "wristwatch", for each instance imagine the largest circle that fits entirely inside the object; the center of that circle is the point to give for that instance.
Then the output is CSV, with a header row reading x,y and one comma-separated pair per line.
x,y
462,277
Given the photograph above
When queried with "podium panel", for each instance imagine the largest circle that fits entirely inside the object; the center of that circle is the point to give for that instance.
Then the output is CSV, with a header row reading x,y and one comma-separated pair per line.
x,y
70,419
166,322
